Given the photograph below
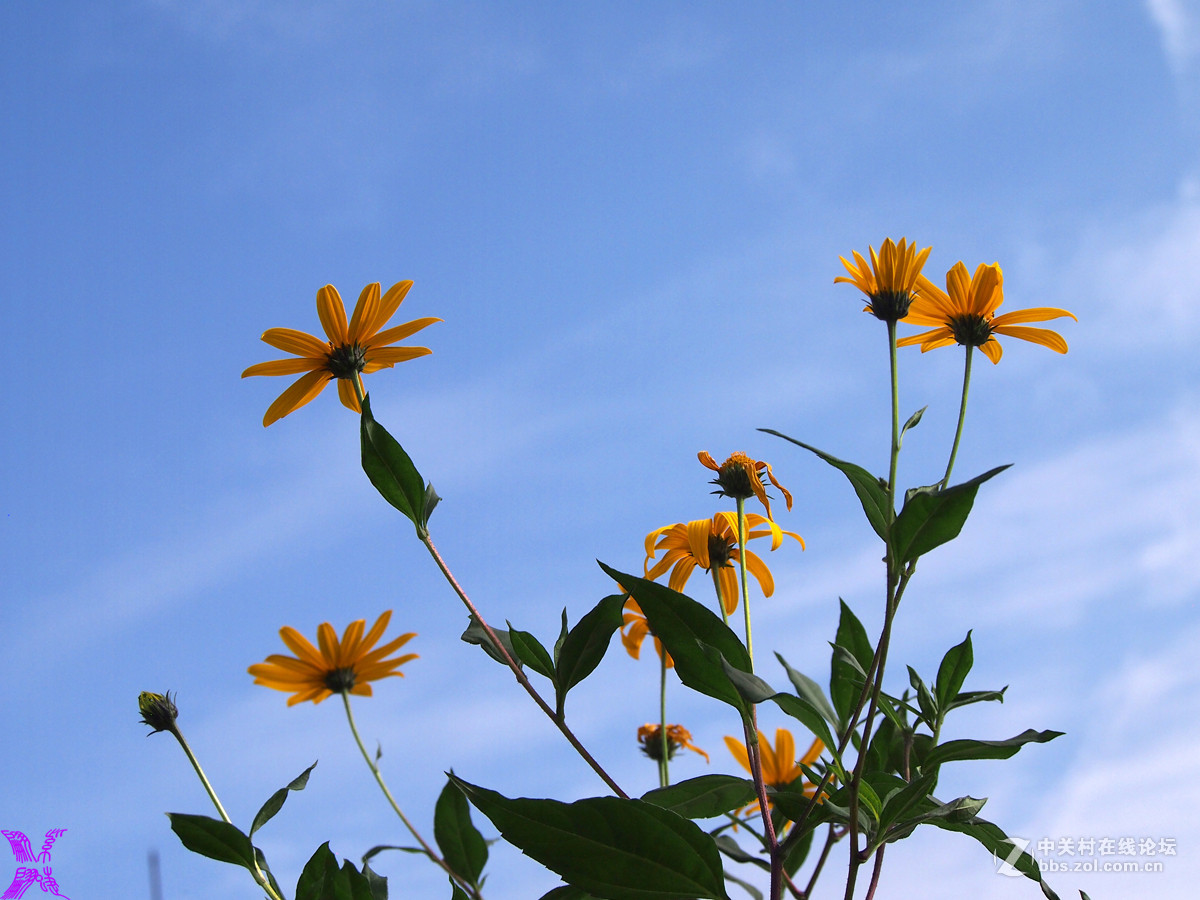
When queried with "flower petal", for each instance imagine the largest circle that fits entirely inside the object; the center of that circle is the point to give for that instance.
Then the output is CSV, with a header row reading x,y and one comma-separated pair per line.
x,y
332,313
301,392
388,304
392,355
1033,314
365,313
284,367
1043,336
301,343
348,395
400,332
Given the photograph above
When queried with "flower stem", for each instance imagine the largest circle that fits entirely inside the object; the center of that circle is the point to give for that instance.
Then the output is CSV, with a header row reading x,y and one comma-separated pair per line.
x,y
664,762
895,451
962,415
716,577
518,672
259,876
429,851
741,530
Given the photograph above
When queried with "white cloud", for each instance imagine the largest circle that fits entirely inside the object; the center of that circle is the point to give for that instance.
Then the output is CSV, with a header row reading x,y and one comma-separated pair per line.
x,y
1178,23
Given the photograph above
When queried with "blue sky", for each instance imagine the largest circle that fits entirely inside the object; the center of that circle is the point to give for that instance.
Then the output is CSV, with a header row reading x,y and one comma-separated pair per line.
x,y
629,217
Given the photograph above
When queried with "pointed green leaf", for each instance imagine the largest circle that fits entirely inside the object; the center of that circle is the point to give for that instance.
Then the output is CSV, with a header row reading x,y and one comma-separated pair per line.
x,y
956,664
703,797
393,473
925,701
967,749
930,520
800,709
846,679
614,848
562,636
275,802
322,879
585,645
530,651
734,851
809,690
912,422
377,883
681,624
462,846
1002,849
870,490
567,892
965,698
213,838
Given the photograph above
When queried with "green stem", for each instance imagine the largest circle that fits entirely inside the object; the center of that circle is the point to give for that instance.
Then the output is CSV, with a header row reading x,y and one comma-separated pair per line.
x,y
895,453
517,671
741,530
429,851
664,762
962,415
716,577
259,876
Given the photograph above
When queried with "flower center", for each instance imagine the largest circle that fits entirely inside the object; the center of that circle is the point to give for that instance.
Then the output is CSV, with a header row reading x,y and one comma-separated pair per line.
x,y
891,305
971,330
340,680
345,361
720,552
734,477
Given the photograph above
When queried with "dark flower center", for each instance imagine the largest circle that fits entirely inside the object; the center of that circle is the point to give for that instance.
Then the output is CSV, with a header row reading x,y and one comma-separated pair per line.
x,y
347,360
720,552
736,477
971,330
891,306
652,745
340,680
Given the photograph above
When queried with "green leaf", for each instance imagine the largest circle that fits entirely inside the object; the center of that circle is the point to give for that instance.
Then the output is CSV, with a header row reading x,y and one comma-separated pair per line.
x,y
798,853
846,679
567,892
321,879
617,849
870,490
562,636
213,838
746,886
966,698
703,797
967,749
462,846
956,664
393,473
800,709
1001,848
530,651
585,644
681,624
912,422
929,520
734,851
275,802
809,690
900,803
377,883
752,688
475,634
929,708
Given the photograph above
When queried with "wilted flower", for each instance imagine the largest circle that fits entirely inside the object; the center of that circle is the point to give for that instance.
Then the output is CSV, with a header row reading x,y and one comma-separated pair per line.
x,y
650,737
741,478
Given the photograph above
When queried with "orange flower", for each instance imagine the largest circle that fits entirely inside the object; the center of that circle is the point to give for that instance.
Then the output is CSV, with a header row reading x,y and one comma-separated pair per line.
x,y
649,736
344,666
712,543
352,348
741,477
779,765
635,620
890,280
965,314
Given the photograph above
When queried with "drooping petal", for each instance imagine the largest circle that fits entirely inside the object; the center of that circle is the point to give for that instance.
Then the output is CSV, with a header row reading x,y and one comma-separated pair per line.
x,y
729,589
761,573
332,313
301,392
992,350
681,573
738,749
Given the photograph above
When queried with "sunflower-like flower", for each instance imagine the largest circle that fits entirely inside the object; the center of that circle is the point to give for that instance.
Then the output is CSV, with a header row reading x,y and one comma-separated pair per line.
x,y
780,768
713,544
650,737
741,478
634,620
345,666
890,280
353,348
965,314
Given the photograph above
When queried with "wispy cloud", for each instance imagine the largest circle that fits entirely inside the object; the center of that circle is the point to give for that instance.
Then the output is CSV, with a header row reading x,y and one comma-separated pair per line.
x,y
1178,23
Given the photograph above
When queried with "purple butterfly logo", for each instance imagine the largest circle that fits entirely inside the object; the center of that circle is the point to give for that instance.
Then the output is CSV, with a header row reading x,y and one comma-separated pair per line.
x,y
27,875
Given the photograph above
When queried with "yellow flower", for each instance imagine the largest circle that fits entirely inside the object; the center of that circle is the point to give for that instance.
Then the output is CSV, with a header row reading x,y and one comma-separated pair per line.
x,y
635,620
351,349
712,543
779,765
649,736
890,280
966,314
741,477
344,666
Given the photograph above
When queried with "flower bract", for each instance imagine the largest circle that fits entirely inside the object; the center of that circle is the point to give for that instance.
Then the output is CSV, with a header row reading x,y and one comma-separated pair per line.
x,y
741,478
338,666
713,544
890,280
352,348
965,313
650,737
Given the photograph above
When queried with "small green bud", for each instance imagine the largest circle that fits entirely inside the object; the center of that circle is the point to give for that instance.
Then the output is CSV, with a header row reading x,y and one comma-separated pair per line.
x,y
158,711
